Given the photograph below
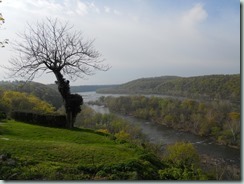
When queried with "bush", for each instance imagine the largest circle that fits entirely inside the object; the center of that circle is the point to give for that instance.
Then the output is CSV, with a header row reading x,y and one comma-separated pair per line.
x,y
51,120
182,162
122,135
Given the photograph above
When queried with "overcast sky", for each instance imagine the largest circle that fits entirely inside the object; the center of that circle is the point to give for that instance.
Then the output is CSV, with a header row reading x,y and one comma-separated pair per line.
x,y
140,38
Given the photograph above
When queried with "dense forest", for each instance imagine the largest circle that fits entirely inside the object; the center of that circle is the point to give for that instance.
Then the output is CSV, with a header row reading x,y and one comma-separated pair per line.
x,y
218,119
208,87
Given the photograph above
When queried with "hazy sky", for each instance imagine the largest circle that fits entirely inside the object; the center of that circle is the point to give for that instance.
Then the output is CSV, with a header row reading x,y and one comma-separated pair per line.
x,y
140,38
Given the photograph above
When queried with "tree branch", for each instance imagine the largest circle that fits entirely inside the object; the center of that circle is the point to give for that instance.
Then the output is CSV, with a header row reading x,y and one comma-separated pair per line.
x,y
51,45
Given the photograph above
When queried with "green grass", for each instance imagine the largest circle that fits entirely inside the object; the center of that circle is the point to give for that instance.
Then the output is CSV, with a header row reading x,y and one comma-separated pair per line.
x,y
43,153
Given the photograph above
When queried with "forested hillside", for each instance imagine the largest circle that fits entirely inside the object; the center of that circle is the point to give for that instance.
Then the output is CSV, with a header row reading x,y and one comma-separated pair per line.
x,y
42,91
143,85
209,87
86,88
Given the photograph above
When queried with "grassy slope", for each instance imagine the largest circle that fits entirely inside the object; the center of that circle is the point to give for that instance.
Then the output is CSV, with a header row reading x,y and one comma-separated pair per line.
x,y
55,154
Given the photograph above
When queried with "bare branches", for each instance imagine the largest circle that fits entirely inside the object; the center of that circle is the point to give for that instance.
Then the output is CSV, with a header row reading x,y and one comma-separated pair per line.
x,y
53,46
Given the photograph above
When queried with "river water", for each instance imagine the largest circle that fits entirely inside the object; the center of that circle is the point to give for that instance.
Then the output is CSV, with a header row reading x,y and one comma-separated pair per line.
x,y
163,135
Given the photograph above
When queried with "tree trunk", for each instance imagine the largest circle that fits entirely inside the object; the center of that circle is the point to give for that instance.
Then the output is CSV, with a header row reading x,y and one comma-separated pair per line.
x,y
64,90
69,120
72,102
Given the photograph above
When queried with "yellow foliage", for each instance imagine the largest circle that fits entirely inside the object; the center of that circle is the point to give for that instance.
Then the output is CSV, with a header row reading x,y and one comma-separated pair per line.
x,y
182,153
122,135
103,131
13,100
234,115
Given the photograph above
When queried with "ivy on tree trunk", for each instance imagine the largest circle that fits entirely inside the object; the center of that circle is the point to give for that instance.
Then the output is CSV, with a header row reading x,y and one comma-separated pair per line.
x,y
72,102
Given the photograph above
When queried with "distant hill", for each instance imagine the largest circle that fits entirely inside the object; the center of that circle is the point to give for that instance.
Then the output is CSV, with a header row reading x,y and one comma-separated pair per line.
x,y
205,87
87,88
47,93
143,85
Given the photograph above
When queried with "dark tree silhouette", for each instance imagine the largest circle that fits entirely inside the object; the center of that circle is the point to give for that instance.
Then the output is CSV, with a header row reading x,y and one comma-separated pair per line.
x,y
51,46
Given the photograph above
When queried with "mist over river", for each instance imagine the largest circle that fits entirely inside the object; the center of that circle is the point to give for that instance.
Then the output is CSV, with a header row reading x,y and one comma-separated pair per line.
x,y
163,135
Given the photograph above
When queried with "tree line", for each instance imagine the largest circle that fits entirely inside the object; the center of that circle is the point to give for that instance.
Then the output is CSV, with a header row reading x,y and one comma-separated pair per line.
x,y
217,119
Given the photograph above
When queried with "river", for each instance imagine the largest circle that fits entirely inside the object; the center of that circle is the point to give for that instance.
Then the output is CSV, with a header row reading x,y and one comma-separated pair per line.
x,y
163,135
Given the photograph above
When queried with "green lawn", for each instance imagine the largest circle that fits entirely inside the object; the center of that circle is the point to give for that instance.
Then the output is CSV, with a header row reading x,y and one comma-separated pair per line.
x,y
43,153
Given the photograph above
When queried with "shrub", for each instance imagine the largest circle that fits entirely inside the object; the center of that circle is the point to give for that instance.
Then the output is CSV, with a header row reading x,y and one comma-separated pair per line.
x,y
122,135
181,163
51,120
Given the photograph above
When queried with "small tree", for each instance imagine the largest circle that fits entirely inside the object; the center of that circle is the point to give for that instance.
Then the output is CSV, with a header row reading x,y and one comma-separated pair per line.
x,y
51,46
182,163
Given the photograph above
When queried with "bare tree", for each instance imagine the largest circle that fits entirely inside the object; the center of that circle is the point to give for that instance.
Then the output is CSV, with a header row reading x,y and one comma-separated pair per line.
x,y
51,46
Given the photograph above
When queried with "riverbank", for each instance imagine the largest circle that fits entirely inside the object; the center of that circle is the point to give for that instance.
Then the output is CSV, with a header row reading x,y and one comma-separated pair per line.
x,y
215,158
210,138
222,169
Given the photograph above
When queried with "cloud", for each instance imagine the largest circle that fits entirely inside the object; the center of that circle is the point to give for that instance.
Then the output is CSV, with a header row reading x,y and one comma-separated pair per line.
x,y
117,12
82,8
180,46
48,8
14,4
106,9
41,6
193,17
93,7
